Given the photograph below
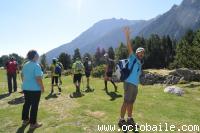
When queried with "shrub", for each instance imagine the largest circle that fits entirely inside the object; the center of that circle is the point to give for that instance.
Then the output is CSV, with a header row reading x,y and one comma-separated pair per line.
x,y
98,71
67,72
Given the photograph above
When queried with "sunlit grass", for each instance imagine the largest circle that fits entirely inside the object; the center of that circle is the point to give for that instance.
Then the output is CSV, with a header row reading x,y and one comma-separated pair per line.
x,y
64,114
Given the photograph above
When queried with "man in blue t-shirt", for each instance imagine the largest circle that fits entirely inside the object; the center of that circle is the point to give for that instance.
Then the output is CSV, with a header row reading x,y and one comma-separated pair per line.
x,y
131,83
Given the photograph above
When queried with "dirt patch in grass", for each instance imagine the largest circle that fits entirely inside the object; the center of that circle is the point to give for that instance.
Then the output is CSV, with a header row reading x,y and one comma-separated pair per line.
x,y
95,114
198,99
60,105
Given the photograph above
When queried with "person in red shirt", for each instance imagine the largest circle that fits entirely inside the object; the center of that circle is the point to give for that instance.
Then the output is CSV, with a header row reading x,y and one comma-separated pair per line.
x,y
12,68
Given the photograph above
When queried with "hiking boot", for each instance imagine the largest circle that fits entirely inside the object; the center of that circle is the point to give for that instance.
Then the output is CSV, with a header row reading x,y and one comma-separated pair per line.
x,y
122,123
132,123
25,122
59,89
36,125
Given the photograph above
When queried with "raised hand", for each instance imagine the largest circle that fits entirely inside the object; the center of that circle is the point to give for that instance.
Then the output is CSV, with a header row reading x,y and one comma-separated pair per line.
x,y
127,34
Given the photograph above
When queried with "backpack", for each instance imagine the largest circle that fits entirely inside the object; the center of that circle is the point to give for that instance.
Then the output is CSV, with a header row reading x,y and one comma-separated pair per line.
x,y
58,69
11,67
78,66
60,64
122,70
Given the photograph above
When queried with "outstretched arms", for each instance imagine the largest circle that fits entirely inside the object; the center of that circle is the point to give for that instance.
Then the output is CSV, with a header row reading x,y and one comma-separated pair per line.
x,y
127,34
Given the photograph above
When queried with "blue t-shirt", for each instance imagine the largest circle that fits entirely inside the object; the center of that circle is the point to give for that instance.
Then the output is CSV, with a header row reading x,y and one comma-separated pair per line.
x,y
30,71
134,77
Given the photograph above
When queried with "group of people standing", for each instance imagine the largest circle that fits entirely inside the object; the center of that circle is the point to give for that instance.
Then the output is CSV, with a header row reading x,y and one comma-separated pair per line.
x,y
78,70
32,85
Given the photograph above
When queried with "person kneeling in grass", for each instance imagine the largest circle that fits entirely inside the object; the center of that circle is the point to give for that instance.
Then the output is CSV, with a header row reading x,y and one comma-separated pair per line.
x,y
32,87
131,83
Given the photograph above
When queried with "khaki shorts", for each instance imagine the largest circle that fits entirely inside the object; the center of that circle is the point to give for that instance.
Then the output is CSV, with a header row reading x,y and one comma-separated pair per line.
x,y
130,92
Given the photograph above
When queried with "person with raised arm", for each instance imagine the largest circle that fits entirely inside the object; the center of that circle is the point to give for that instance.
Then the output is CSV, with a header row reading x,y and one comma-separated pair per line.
x,y
131,83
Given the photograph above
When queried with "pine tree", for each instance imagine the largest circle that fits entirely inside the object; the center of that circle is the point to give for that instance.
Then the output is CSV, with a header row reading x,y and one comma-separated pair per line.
x,y
121,52
43,62
66,61
111,53
76,55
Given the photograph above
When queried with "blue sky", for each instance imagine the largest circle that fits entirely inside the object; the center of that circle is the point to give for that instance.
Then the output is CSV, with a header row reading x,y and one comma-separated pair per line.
x,y
46,24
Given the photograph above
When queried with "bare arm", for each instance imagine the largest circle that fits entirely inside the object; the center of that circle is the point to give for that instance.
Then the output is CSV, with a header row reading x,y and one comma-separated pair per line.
x,y
127,34
39,81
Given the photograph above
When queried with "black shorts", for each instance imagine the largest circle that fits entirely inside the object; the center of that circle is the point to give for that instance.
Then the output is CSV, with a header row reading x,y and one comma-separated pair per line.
x,y
87,74
77,77
54,80
109,74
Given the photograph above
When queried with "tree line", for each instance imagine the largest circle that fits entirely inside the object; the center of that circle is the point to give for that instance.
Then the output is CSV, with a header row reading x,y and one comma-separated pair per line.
x,y
160,52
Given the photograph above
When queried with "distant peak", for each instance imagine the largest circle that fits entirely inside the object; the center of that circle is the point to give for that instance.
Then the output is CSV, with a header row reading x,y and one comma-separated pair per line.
x,y
189,2
174,7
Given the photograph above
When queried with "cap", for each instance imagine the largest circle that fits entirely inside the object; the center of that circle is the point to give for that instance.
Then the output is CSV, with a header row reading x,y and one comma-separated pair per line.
x,y
140,49
106,55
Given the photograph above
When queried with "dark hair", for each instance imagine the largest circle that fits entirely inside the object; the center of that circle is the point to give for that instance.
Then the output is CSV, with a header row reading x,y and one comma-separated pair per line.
x,y
31,54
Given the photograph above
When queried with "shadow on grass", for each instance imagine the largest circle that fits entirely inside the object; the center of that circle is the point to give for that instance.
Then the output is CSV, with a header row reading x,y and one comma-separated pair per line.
x,y
21,129
17,101
2,96
88,90
31,131
113,95
76,95
192,85
51,96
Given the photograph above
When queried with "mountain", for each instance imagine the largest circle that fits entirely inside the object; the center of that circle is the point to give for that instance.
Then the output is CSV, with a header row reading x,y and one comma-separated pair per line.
x,y
176,21
108,32
95,36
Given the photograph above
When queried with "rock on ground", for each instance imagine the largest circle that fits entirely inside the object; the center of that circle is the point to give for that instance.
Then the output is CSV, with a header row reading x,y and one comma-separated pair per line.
x,y
187,74
174,90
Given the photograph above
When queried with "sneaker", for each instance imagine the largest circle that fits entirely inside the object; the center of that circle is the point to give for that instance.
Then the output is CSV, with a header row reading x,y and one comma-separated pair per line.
x,y
132,123
36,125
122,123
25,122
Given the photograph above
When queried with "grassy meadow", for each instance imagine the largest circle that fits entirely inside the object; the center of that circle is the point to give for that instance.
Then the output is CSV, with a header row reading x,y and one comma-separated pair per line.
x,y
62,114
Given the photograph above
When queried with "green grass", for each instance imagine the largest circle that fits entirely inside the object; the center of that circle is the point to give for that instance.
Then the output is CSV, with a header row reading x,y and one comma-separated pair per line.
x,y
73,115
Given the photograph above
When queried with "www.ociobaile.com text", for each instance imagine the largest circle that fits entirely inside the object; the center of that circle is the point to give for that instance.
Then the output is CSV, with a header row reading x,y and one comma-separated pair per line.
x,y
149,128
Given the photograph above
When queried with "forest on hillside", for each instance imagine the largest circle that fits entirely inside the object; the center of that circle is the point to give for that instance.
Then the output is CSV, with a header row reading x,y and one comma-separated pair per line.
x,y
160,52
